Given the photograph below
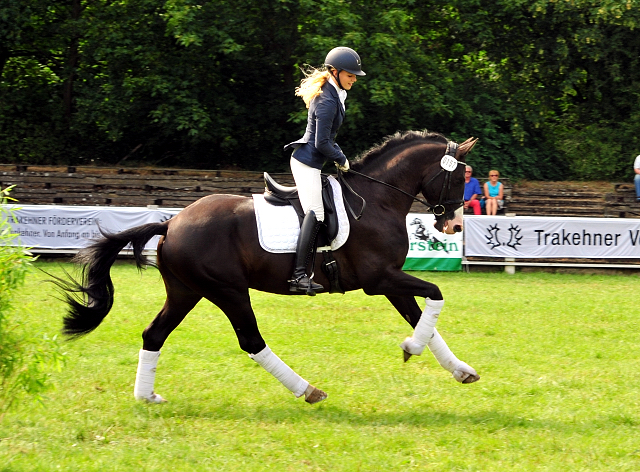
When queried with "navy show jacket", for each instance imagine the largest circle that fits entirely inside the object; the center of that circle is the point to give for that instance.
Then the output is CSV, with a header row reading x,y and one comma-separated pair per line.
x,y
318,145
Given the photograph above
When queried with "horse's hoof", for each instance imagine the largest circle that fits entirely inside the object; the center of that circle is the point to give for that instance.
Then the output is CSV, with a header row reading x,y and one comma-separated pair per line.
x,y
465,373
471,379
407,356
153,398
314,395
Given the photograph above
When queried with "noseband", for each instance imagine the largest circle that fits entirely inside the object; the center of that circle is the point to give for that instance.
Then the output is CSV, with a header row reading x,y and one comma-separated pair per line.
x,y
448,164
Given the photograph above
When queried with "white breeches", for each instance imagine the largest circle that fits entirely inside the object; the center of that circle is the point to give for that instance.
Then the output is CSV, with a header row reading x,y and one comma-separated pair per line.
x,y
309,187
281,371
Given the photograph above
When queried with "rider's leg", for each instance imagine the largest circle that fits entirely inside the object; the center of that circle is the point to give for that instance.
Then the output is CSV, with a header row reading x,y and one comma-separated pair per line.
x,y
309,187
300,281
309,184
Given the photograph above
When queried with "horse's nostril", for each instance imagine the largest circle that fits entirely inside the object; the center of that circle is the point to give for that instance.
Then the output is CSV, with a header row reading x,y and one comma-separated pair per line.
x,y
457,228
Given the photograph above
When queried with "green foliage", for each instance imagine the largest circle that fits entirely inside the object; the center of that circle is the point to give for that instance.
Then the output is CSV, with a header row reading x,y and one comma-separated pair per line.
x,y
25,358
544,84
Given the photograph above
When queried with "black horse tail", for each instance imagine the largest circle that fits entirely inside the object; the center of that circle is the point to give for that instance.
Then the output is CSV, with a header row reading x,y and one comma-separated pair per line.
x,y
91,299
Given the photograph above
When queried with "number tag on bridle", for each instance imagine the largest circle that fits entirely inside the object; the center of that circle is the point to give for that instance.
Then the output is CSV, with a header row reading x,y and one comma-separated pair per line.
x,y
449,163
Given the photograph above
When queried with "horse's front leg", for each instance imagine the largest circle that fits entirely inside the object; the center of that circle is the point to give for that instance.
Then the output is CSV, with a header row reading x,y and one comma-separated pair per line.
x,y
423,322
425,334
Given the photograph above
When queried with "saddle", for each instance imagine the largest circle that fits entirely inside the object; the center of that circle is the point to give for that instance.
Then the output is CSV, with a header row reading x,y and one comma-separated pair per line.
x,y
280,195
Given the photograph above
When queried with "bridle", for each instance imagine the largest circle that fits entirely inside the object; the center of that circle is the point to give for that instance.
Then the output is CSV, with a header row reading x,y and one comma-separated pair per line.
x,y
448,164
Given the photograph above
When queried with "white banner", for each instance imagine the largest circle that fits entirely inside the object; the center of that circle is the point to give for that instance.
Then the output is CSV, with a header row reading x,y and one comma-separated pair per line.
x,y
430,249
73,227
542,237
66,227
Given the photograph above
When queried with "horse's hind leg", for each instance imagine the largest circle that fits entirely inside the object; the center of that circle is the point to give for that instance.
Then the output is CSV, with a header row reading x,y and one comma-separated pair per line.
x,y
237,307
425,334
180,301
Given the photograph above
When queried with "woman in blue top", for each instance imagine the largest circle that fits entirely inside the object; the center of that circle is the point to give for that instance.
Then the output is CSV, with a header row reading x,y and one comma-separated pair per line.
x,y
324,92
493,193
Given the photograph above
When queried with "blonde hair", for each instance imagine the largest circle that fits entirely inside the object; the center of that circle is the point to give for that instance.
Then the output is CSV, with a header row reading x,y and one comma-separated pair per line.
x,y
493,170
310,87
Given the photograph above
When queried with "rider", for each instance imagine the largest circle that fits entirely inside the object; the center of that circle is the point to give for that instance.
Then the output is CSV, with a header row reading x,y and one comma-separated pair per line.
x,y
324,92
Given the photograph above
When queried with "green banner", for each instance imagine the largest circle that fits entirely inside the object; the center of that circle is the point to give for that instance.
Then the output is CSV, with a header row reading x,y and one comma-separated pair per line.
x,y
432,264
430,249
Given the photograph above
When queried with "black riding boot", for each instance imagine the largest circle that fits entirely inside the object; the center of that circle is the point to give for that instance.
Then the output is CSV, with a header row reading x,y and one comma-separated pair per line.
x,y
300,281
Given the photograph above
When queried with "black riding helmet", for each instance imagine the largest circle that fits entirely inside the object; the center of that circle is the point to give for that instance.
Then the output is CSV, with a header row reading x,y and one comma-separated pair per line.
x,y
344,59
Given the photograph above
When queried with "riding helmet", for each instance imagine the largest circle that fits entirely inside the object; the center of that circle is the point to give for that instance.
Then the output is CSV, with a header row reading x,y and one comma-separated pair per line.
x,y
344,59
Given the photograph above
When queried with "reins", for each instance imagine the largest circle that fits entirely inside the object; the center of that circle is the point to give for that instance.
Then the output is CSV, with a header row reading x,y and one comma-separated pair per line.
x,y
448,164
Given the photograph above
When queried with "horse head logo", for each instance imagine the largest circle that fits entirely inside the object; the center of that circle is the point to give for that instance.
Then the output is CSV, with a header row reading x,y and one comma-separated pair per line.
x,y
421,231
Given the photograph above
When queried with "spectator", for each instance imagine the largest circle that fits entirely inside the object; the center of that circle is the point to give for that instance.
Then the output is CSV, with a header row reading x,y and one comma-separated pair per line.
x,y
471,192
493,193
636,168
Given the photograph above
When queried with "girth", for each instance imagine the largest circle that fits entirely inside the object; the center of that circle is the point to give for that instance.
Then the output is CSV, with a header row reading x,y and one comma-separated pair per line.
x,y
280,195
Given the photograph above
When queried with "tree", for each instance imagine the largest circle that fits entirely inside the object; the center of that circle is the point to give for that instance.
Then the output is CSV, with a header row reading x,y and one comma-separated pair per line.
x,y
550,87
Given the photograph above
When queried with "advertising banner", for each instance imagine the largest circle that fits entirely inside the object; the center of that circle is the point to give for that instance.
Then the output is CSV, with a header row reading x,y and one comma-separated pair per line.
x,y
72,227
59,227
430,249
542,237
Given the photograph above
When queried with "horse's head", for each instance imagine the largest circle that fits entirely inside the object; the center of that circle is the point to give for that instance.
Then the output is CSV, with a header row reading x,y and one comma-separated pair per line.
x,y
443,188
414,162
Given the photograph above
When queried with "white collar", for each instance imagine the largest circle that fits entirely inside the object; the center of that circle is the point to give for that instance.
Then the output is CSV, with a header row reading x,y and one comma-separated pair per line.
x,y
342,93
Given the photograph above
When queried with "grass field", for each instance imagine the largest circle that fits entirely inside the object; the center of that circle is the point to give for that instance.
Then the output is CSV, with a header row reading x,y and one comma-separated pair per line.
x,y
558,355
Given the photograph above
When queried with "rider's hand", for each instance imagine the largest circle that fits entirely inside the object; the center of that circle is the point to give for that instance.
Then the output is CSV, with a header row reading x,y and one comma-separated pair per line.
x,y
345,167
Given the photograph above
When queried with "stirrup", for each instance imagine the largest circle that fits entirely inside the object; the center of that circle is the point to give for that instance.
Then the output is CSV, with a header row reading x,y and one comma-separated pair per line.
x,y
304,283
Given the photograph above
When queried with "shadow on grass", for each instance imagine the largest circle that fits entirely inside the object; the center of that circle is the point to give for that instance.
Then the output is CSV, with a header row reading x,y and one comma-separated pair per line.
x,y
420,417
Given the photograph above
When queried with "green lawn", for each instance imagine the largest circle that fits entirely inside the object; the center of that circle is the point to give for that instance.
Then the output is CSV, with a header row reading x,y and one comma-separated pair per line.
x,y
558,357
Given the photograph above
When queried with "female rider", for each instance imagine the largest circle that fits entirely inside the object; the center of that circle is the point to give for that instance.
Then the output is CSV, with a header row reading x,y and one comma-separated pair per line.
x,y
324,92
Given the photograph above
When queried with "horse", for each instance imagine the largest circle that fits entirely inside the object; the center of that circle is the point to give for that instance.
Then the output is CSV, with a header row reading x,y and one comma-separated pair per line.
x,y
211,250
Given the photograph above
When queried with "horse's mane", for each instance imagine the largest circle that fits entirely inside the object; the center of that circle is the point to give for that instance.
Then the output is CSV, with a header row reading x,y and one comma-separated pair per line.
x,y
393,141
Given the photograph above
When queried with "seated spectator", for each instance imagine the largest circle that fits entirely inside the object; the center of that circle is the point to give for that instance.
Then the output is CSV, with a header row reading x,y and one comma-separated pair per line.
x,y
636,168
471,192
493,193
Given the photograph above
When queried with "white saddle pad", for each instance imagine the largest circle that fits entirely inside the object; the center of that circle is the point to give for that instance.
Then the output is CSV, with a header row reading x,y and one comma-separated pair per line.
x,y
279,227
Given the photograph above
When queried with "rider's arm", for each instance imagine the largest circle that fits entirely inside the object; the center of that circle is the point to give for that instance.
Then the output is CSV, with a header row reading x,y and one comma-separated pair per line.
x,y
326,110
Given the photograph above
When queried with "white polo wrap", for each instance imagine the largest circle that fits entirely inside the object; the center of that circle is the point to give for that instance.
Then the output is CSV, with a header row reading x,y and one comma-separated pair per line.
x,y
146,376
281,371
425,328
446,358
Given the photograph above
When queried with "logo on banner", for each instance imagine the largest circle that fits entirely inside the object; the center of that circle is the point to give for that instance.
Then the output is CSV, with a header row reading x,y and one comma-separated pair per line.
x,y
423,234
494,239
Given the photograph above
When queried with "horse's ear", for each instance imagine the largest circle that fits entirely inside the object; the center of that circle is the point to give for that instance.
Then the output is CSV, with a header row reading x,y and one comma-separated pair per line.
x,y
467,146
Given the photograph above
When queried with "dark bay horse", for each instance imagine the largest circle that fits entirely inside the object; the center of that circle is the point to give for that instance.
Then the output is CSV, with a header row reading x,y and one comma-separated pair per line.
x,y
211,250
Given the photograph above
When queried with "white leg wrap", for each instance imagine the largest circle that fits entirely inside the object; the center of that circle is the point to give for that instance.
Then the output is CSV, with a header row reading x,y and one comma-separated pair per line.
x,y
448,360
146,376
424,329
281,371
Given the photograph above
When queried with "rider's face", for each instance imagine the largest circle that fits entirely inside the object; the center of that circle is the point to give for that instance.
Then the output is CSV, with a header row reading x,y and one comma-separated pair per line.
x,y
347,79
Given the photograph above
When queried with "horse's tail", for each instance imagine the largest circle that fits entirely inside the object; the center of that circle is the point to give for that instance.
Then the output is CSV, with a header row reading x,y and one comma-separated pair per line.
x,y
91,299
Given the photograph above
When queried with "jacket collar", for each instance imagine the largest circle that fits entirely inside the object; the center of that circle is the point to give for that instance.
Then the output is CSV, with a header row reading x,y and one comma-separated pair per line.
x,y
339,93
